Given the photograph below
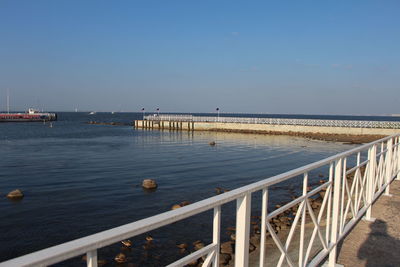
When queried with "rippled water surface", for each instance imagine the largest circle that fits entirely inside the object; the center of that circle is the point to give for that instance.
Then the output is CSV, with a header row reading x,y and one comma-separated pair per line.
x,y
79,179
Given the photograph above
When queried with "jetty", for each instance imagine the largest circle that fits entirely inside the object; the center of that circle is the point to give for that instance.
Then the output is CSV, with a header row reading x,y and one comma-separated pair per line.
x,y
312,228
331,130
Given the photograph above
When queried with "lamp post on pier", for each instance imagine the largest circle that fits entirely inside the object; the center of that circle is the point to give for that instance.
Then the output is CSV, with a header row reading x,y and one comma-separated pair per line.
x,y
143,112
158,112
217,109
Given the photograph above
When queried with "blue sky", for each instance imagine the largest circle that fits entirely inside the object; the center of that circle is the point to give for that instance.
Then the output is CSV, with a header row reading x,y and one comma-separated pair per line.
x,y
302,57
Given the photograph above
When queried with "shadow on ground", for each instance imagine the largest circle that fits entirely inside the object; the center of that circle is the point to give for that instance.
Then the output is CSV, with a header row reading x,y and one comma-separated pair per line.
x,y
380,249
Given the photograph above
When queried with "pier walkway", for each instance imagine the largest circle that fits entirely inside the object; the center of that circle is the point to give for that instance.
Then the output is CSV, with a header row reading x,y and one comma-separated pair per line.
x,y
375,243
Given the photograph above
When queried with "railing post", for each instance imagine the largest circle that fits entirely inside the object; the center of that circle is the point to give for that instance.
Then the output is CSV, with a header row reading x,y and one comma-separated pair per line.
x,y
264,213
370,181
335,212
217,233
243,208
91,258
398,158
388,158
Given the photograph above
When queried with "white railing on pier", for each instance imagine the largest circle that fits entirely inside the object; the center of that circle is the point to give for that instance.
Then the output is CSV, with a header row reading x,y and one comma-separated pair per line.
x,y
356,179
279,121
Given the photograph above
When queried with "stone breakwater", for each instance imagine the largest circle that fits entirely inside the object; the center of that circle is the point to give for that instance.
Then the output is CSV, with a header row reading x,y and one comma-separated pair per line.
x,y
351,135
113,123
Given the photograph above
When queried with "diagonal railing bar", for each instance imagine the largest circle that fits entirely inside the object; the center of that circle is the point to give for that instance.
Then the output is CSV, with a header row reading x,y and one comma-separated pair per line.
x,y
357,166
316,227
291,233
297,200
379,175
209,259
363,186
356,182
194,256
316,223
279,244
381,171
349,202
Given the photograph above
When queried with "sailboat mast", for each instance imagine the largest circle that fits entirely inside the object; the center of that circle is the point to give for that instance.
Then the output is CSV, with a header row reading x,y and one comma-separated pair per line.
x,y
8,100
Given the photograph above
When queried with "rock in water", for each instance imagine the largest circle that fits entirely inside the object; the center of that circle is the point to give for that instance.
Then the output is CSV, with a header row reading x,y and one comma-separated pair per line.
x,y
15,195
120,258
149,184
176,206
213,143
224,258
182,246
127,243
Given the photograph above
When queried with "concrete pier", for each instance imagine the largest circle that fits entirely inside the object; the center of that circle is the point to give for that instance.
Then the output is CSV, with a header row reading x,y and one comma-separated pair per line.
x,y
262,128
165,125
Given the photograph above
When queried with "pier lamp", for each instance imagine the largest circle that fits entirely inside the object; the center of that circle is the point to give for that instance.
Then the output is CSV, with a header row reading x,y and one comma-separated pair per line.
x,y
217,109
143,112
158,112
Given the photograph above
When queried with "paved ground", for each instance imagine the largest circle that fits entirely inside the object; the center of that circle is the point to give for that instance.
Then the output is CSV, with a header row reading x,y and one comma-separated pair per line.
x,y
377,243
368,244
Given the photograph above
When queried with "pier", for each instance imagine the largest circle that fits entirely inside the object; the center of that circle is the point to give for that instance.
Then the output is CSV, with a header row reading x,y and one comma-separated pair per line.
x,y
354,181
176,122
269,125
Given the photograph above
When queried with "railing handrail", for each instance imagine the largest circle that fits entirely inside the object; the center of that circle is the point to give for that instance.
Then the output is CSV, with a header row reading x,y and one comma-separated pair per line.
x,y
92,242
277,121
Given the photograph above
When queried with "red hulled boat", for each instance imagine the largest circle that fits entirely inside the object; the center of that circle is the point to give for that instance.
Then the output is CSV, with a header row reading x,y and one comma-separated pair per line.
x,y
30,115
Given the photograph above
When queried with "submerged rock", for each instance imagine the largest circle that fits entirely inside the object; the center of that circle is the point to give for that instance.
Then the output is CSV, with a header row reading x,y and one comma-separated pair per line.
x,y
224,258
220,190
198,246
182,246
176,206
15,195
149,184
101,262
227,247
126,243
120,258
185,203
213,143
180,205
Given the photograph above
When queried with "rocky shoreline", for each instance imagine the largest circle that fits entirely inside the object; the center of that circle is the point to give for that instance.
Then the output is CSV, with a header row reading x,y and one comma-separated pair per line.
x,y
109,123
344,138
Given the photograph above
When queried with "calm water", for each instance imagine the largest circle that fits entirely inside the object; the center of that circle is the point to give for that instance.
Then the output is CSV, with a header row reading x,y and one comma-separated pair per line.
x,y
79,179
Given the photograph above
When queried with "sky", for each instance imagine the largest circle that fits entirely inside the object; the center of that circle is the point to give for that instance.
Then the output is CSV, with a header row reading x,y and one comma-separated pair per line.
x,y
288,57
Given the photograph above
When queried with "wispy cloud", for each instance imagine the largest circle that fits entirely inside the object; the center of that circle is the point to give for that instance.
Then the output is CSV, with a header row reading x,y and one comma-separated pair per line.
x,y
235,33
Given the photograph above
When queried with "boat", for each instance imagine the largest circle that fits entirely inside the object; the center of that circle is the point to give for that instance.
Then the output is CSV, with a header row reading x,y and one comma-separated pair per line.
x,y
92,113
31,115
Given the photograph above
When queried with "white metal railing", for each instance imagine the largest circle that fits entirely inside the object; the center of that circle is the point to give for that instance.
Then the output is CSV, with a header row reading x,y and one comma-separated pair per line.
x,y
278,121
372,168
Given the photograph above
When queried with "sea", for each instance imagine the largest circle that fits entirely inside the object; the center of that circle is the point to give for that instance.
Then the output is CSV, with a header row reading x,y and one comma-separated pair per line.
x,y
79,179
